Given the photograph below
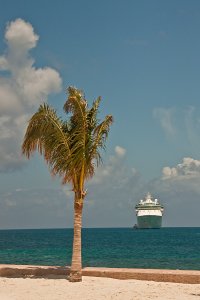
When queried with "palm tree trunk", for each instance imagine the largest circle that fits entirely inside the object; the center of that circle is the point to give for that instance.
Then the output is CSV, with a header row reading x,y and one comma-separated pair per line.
x,y
76,265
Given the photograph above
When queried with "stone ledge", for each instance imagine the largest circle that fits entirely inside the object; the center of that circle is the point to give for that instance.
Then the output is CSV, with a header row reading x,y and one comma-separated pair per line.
x,y
32,270
178,276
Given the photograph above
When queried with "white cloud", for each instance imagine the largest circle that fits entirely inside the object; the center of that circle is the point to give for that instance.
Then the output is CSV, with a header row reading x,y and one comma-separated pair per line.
x,y
22,88
165,117
120,151
188,169
108,169
169,172
20,35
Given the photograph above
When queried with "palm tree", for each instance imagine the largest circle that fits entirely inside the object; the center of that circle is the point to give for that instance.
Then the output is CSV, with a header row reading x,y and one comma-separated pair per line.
x,y
71,149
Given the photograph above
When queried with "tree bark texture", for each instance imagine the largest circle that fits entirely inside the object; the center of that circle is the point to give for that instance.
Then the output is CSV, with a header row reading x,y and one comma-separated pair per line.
x,y
76,265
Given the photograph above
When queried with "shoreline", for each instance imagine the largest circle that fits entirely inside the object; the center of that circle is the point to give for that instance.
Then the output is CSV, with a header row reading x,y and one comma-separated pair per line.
x,y
157,275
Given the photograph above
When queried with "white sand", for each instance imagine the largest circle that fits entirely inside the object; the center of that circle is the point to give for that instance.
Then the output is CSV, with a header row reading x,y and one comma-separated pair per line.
x,y
93,288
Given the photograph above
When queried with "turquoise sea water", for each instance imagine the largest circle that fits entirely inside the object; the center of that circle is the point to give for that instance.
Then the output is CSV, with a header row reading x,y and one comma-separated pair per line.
x,y
166,248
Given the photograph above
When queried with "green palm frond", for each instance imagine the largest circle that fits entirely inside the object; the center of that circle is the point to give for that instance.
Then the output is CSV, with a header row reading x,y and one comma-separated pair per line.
x,y
45,133
99,139
92,114
77,106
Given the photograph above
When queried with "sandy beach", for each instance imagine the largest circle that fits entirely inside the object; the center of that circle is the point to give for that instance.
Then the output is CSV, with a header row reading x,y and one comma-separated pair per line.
x,y
94,288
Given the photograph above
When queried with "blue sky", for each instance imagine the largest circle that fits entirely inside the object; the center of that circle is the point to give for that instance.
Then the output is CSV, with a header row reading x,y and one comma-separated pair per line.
x,y
143,58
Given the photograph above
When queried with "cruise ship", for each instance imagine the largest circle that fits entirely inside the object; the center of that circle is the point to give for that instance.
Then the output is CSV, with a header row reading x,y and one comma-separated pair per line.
x,y
149,213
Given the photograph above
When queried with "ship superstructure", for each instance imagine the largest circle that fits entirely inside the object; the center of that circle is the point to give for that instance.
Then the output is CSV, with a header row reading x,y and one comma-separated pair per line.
x,y
149,213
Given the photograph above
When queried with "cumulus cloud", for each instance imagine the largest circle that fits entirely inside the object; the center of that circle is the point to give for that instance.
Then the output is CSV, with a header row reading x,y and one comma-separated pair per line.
x,y
110,168
189,168
20,36
165,117
22,88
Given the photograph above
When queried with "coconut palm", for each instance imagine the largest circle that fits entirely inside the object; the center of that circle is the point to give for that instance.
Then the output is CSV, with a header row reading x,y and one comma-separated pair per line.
x,y
71,149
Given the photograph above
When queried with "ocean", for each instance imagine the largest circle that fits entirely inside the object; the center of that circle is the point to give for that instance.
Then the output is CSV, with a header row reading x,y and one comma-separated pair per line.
x,y
165,248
